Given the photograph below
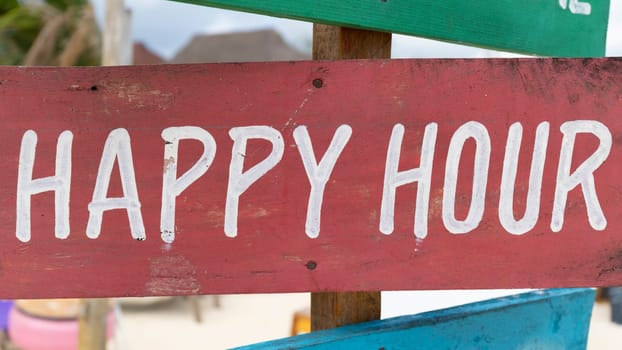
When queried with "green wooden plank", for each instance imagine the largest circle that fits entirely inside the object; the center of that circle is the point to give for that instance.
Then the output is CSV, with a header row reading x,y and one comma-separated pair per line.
x,y
563,28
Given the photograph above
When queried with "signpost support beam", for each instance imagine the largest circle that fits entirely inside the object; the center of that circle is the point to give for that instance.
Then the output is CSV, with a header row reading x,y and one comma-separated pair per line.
x,y
92,324
330,310
340,43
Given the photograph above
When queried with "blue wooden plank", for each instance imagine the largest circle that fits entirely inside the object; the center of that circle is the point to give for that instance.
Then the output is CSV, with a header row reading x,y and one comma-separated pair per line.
x,y
547,319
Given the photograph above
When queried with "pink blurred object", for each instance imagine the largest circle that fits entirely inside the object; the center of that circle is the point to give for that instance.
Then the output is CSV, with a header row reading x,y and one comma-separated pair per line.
x,y
33,333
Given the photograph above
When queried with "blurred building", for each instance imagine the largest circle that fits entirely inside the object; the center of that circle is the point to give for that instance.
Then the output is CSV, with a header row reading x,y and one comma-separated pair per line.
x,y
262,45
142,55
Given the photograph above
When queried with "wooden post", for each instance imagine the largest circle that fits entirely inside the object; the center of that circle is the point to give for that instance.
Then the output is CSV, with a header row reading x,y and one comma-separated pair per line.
x,y
340,43
92,324
330,310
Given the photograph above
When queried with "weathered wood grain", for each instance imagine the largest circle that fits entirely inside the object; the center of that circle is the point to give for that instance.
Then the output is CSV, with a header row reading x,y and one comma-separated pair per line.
x,y
551,319
331,310
544,28
93,324
272,252
333,43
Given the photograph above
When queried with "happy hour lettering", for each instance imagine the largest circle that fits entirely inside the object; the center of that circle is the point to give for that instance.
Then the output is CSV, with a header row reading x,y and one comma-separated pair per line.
x,y
117,148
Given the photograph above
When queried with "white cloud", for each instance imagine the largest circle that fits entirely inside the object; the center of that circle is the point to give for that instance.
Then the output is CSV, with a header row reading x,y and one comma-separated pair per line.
x,y
412,47
222,23
614,35
144,3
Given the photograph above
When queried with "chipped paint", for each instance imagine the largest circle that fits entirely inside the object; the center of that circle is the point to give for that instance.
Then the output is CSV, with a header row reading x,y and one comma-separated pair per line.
x,y
172,275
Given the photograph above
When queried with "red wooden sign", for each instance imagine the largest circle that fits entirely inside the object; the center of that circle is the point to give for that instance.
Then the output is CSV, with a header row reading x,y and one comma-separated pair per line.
x,y
311,176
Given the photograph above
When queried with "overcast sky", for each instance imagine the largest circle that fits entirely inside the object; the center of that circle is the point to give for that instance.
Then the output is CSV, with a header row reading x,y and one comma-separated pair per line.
x,y
165,26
